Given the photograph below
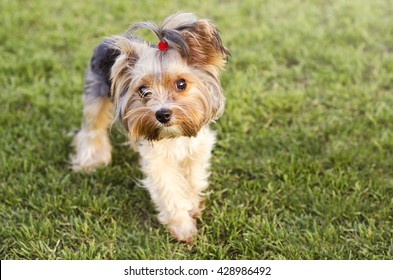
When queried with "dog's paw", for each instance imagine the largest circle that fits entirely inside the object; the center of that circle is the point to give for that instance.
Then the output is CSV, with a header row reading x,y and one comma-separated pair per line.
x,y
93,150
184,232
87,166
196,212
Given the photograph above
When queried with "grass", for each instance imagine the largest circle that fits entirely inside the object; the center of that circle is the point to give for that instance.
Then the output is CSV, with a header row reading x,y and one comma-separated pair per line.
x,y
303,167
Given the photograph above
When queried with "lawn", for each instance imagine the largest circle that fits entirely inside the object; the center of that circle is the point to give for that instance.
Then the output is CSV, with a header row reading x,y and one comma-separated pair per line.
x,y
303,165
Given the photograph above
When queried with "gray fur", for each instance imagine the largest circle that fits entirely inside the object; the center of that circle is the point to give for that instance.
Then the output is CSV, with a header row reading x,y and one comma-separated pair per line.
x,y
170,31
97,80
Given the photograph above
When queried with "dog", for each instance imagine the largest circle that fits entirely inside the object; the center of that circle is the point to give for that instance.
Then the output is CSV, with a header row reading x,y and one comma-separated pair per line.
x,y
165,96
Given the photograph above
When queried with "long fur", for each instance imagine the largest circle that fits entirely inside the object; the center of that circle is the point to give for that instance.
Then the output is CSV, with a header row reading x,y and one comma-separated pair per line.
x,y
142,80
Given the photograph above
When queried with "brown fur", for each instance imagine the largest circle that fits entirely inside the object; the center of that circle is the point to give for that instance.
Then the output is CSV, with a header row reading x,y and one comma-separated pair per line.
x,y
193,107
153,106
205,46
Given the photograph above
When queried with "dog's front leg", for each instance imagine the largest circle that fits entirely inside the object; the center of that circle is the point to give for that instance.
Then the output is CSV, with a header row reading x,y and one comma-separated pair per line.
x,y
197,169
172,195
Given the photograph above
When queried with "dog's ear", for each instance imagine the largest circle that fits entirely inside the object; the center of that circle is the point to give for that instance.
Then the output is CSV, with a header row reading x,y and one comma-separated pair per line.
x,y
204,45
129,50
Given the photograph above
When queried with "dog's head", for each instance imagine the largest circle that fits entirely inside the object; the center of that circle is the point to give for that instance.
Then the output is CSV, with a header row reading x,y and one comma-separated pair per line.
x,y
171,89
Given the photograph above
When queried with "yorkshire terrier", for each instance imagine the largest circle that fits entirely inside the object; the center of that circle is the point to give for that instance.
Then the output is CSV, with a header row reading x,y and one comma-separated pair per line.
x,y
165,96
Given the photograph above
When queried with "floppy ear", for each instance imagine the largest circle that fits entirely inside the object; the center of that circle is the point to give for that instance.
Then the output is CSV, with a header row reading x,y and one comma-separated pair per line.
x,y
129,50
205,45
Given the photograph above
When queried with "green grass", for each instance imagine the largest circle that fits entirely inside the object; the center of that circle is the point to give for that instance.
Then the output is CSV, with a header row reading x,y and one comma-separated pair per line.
x,y
303,167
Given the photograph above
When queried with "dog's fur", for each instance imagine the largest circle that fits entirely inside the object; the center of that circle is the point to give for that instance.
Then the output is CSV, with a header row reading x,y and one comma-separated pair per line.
x,y
165,99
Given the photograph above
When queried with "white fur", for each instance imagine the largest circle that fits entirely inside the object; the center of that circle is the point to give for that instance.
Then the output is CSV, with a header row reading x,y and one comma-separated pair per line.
x,y
176,159
176,176
176,171
93,149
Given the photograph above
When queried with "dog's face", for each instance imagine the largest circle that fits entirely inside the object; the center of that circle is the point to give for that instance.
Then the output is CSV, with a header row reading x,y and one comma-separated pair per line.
x,y
173,92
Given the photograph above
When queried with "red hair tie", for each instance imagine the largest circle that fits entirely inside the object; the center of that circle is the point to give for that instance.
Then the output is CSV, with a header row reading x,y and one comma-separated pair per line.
x,y
162,46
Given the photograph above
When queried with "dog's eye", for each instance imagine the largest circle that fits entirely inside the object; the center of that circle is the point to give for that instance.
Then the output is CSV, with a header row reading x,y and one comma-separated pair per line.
x,y
180,85
144,92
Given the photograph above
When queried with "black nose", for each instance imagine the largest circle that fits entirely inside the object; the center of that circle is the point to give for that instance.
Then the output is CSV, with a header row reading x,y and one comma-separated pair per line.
x,y
163,115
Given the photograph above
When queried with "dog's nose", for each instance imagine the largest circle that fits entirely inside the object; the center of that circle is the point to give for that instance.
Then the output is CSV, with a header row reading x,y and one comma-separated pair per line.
x,y
163,115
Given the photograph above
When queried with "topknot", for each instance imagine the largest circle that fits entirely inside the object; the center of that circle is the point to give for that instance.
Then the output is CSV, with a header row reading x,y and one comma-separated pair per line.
x,y
170,30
